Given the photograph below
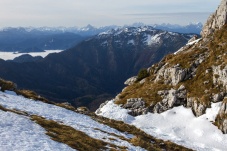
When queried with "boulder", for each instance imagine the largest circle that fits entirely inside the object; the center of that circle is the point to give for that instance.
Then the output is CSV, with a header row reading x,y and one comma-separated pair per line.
x,y
170,99
221,119
197,107
136,106
131,80
220,76
218,97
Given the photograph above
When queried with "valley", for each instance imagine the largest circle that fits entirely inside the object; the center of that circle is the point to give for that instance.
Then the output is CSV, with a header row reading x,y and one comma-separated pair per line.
x,y
152,86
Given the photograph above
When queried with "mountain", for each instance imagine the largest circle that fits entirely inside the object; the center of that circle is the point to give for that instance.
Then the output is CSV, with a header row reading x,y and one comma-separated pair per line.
x,y
183,98
29,122
24,40
190,28
95,69
31,39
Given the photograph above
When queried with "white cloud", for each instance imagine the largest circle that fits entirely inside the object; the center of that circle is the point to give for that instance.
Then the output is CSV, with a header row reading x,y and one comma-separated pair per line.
x,y
97,12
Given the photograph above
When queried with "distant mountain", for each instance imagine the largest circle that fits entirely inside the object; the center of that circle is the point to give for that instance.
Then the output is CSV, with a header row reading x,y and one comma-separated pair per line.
x,y
22,40
26,58
190,28
96,68
31,39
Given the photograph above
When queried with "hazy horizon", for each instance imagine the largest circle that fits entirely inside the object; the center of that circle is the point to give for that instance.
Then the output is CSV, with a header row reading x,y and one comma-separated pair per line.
x,y
69,13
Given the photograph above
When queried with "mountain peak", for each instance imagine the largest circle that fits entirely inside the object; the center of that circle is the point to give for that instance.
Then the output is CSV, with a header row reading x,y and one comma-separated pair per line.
x,y
216,20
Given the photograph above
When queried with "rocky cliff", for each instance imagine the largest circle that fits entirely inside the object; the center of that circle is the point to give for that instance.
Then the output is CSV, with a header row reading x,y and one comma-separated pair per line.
x,y
216,20
195,76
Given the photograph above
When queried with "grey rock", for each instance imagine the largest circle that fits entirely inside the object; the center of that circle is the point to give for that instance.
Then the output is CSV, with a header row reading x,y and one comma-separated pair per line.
x,y
221,119
136,106
195,37
170,99
131,80
197,107
220,76
171,75
224,126
216,20
218,97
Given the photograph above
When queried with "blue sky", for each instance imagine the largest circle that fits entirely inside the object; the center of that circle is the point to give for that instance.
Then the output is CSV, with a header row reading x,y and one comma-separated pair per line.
x,y
103,12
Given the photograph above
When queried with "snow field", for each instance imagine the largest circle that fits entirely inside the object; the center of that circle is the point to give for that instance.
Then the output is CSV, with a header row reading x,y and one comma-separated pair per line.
x,y
19,133
78,121
178,125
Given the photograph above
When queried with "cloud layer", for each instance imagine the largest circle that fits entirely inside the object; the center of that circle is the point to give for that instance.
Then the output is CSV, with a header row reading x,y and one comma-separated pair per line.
x,y
97,12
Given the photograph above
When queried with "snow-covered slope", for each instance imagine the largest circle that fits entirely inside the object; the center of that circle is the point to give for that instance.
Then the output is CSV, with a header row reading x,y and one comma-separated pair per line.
x,y
17,128
19,133
178,125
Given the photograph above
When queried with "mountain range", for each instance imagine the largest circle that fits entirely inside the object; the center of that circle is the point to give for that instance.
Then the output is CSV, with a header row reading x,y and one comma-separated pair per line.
x,y
96,68
178,103
31,39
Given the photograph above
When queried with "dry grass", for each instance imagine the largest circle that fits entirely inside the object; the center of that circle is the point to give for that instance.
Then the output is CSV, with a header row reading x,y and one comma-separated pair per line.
x,y
32,95
148,91
72,137
7,85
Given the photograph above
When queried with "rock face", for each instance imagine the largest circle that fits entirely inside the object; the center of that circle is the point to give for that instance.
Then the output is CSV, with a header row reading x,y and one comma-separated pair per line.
x,y
221,119
216,20
220,75
197,108
136,106
195,76
131,80
170,98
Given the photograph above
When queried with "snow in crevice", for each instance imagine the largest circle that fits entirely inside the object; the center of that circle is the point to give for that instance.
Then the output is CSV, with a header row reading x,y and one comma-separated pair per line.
x,y
178,125
193,42
78,121
132,42
188,44
155,39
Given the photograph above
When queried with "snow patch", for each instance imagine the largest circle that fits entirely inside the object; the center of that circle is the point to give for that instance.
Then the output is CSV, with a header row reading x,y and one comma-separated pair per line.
x,y
188,44
178,125
153,39
19,133
132,42
193,42
77,121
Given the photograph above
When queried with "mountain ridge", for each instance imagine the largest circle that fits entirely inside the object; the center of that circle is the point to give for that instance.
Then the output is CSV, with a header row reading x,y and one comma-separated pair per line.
x,y
96,68
195,77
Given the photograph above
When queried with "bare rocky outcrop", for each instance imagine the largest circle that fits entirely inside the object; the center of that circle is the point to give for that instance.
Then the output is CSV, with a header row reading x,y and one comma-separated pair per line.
x,y
218,97
171,75
170,98
220,76
199,67
221,119
197,107
216,20
131,80
136,106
